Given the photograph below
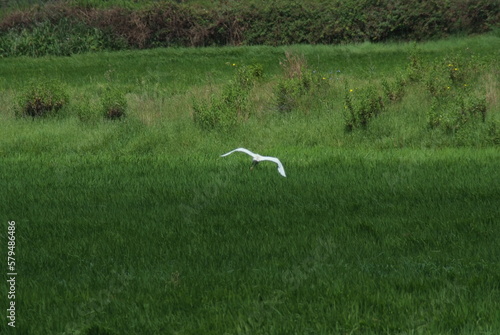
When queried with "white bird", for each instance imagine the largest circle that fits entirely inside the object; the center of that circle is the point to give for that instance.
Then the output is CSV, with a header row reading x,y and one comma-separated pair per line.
x,y
258,158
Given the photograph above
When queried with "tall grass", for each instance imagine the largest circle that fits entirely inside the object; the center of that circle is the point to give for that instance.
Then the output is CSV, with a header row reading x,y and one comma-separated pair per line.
x,y
162,85
352,241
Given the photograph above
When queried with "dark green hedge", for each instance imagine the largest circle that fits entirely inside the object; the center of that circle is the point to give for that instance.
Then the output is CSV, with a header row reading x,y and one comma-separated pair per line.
x,y
76,29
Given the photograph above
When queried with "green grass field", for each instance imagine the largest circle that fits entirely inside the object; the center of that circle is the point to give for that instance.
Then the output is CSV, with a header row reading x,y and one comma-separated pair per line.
x,y
137,226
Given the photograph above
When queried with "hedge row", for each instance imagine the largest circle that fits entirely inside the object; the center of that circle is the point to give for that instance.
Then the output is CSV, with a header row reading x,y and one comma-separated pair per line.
x,y
238,23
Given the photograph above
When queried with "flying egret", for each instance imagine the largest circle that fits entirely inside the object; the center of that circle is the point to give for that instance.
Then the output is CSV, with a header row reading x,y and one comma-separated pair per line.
x,y
258,158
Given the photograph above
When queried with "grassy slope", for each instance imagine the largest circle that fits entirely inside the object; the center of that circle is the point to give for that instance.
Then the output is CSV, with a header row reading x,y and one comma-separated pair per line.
x,y
190,66
163,83
139,227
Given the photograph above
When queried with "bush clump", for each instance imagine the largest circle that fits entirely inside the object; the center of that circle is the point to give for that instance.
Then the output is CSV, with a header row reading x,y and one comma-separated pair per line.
x,y
42,99
222,110
297,81
361,106
455,111
114,104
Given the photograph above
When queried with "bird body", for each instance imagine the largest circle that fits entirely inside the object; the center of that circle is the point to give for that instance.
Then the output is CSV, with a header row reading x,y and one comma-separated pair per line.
x,y
258,158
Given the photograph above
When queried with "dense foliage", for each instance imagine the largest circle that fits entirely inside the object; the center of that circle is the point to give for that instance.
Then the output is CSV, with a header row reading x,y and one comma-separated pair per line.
x,y
62,28
41,99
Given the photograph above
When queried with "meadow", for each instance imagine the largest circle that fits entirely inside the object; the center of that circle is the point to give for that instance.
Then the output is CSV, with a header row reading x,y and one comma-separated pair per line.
x,y
387,221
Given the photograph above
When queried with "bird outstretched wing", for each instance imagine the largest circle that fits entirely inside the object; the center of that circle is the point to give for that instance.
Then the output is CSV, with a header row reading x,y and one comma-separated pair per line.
x,y
248,152
281,169
258,158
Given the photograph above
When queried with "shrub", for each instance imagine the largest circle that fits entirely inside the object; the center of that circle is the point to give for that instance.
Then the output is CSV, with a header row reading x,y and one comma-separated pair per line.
x,y
454,104
113,103
41,99
437,81
414,70
297,81
452,72
287,93
454,111
361,106
475,107
222,110
248,74
394,90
